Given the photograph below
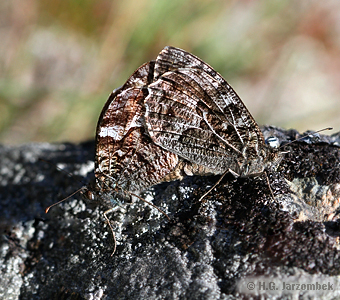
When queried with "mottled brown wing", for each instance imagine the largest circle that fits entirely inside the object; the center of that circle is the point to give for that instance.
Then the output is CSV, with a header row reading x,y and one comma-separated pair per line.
x,y
192,111
171,58
125,156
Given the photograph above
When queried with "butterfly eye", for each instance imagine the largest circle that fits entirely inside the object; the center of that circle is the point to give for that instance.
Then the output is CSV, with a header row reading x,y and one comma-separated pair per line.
x,y
90,195
273,142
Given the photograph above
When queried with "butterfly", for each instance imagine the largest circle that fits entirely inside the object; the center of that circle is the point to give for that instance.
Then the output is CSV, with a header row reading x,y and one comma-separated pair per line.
x,y
174,117
126,158
193,112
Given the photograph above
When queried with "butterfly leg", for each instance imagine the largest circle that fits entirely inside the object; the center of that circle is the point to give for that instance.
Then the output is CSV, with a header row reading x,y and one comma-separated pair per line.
x,y
208,192
270,188
108,221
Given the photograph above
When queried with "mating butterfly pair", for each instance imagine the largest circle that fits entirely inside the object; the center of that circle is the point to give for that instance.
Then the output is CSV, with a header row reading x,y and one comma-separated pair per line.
x,y
175,116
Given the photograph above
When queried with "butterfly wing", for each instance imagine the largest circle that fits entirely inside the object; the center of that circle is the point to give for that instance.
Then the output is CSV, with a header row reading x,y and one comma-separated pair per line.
x,y
192,111
125,156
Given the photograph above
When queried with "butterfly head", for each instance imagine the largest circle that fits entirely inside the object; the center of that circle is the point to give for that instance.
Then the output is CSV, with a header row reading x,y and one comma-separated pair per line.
x,y
267,160
99,192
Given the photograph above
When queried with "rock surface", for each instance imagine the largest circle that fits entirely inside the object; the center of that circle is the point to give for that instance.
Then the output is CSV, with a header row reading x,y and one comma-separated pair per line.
x,y
233,245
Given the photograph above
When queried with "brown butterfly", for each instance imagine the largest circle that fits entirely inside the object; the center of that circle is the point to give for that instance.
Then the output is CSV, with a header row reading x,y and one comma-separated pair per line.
x,y
127,160
193,112
173,117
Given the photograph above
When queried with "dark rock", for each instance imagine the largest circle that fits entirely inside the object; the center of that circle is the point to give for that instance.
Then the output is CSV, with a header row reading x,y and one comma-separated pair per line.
x,y
213,249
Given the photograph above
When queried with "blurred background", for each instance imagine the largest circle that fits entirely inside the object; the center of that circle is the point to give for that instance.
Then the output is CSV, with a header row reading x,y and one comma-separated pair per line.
x,y
60,59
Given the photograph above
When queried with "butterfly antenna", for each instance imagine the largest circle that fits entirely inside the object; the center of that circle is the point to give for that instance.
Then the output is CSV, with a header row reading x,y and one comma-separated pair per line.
x,y
70,175
324,129
267,178
54,204
113,233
